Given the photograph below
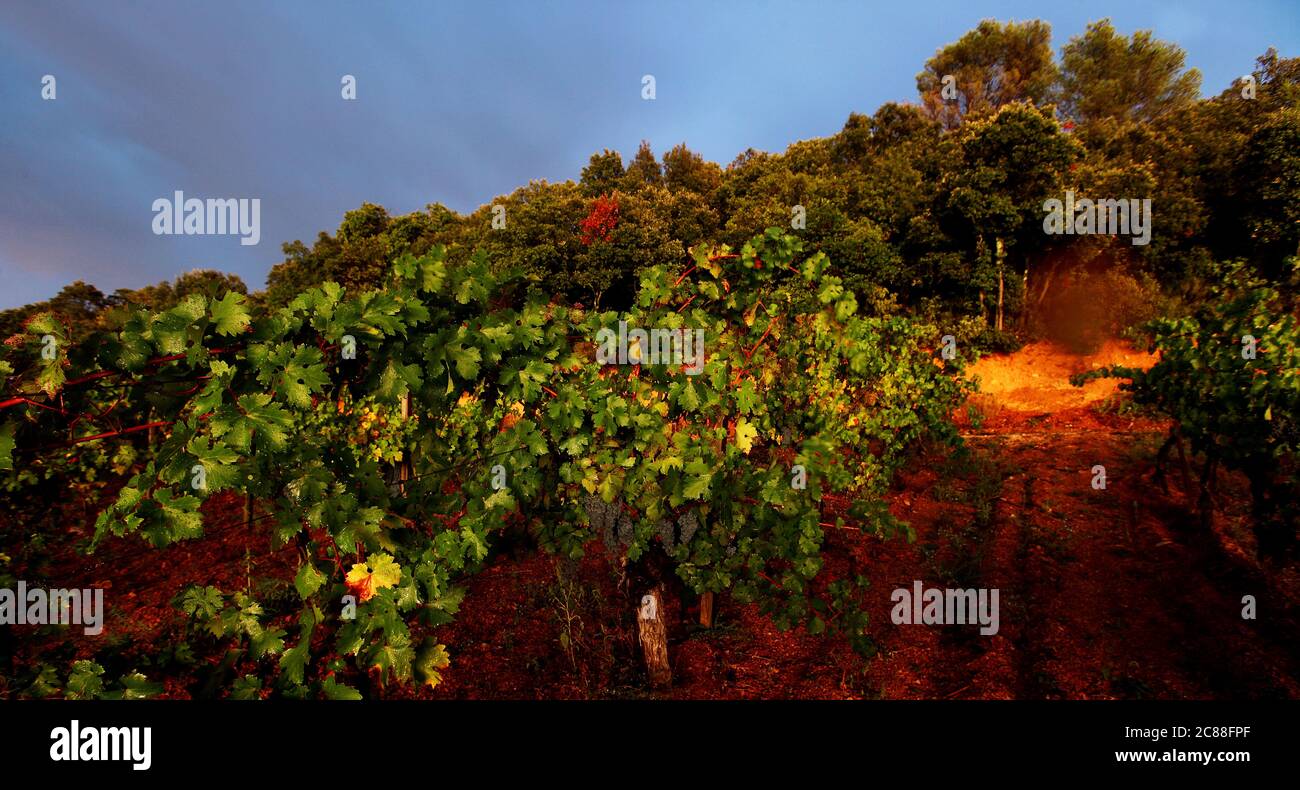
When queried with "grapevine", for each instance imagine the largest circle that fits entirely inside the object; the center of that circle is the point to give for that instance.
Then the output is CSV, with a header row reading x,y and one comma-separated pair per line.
x,y
512,424
1229,378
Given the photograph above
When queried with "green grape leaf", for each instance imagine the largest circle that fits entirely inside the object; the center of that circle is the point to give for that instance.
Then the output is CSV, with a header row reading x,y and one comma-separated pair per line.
x,y
302,375
7,445
467,359
135,686
85,681
333,690
228,314
201,602
293,663
268,641
308,580
248,687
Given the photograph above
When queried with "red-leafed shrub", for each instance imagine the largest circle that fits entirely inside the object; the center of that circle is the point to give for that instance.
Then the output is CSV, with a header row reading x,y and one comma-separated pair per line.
x,y
603,219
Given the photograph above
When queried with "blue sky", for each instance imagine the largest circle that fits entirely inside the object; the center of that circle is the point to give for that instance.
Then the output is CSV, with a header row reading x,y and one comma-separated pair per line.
x,y
457,103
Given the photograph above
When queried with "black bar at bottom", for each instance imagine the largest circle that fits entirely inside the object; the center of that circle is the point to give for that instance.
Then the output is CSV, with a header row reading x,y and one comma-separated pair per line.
x,y
238,740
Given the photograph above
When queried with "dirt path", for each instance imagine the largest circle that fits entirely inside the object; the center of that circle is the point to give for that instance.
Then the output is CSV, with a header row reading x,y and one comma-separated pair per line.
x,y
1107,591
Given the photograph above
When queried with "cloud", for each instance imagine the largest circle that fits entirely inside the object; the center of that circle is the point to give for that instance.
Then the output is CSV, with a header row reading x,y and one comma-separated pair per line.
x,y
457,103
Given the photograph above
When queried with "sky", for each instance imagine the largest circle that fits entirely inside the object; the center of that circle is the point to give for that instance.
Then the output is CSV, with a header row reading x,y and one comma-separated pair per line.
x,y
455,103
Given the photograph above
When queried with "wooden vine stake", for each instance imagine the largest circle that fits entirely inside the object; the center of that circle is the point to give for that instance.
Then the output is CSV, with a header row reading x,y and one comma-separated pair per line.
x,y
404,466
1000,258
248,557
706,609
654,638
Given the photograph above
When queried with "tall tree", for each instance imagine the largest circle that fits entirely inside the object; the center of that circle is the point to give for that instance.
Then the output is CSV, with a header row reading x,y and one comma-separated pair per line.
x,y
357,256
644,169
1267,184
1109,76
1009,164
79,305
603,173
991,66
165,295
686,170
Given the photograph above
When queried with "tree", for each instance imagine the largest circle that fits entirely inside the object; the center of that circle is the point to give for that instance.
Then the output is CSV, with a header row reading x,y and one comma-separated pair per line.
x,y
644,170
1009,164
602,220
363,223
655,228
603,173
991,66
1108,76
79,305
686,170
894,125
1268,183
1243,168
358,254
417,232
166,295
541,235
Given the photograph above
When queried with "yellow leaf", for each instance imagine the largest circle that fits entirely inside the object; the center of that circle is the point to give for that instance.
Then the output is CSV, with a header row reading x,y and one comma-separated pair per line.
x,y
363,581
359,582
387,573
432,658
745,434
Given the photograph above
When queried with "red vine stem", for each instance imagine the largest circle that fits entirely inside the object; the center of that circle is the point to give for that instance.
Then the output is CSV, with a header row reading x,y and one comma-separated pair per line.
x,y
110,434
750,353
103,374
15,401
